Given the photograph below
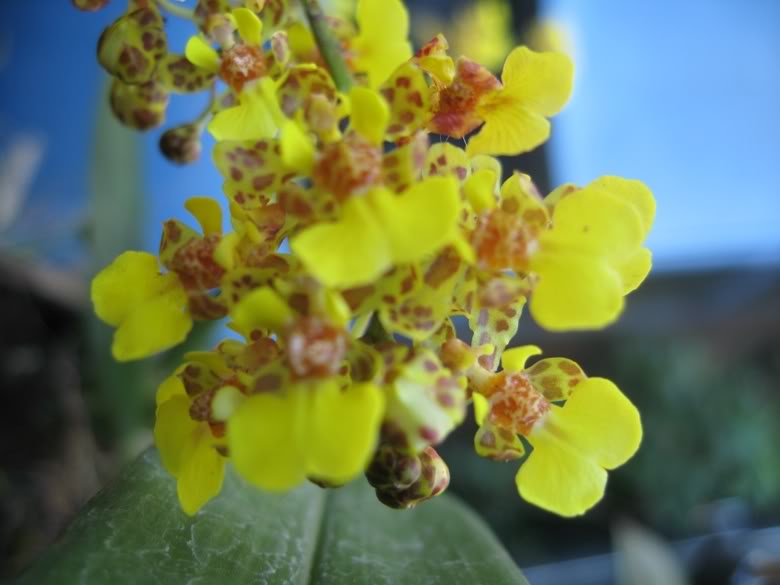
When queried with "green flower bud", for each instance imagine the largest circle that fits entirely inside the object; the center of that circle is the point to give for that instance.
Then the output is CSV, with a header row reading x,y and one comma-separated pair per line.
x,y
182,144
133,45
139,106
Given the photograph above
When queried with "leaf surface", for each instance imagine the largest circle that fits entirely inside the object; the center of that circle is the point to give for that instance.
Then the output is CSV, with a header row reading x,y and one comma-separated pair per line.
x,y
134,532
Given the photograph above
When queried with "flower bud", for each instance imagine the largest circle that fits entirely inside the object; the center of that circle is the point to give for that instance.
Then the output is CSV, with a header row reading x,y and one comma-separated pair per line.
x,y
90,5
182,144
139,106
432,480
132,46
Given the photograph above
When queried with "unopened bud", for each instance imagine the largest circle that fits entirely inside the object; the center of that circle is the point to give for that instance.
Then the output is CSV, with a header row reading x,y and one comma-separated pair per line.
x,y
182,144
132,46
433,479
139,106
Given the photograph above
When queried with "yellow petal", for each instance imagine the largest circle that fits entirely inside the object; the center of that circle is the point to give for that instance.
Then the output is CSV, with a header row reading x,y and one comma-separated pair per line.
x,y
632,191
525,200
634,269
409,100
382,44
479,189
555,378
261,309
208,213
344,427
201,54
541,81
513,360
301,40
595,221
156,325
444,158
201,475
171,387
421,220
488,163
509,129
250,27
575,292
225,252
370,114
226,400
131,279
297,148
559,480
173,431
266,438
599,422
481,408
258,115
346,253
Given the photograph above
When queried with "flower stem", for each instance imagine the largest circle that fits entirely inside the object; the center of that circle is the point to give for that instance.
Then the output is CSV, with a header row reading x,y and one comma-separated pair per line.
x,y
329,47
175,10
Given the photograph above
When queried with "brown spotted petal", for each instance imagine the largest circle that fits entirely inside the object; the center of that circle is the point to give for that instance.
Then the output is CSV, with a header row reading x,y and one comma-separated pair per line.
x,y
238,283
555,378
198,378
253,171
178,75
131,48
275,12
493,309
445,159
211,18
303,81
395,285
403,166
497,443
419,314
424,400
190,256
408,96
141,107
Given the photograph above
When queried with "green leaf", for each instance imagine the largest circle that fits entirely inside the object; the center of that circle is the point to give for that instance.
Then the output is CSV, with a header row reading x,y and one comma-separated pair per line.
x,y
134,532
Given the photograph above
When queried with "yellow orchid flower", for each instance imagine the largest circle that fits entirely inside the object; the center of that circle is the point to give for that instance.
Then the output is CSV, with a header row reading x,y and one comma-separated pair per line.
x,y
188,449
149,309
593,254
309,430
383,41
597,429
536,86
257,116
378,230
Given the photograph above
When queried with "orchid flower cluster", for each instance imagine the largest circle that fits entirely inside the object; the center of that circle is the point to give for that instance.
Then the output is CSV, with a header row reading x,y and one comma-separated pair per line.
x,y
356,244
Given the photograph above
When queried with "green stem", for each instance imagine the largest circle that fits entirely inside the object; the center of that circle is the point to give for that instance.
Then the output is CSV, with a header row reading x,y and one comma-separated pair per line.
x,y
175,10
329,47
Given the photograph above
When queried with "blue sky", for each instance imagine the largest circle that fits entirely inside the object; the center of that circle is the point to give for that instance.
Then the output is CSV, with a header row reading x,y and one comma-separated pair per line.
x,y
686,97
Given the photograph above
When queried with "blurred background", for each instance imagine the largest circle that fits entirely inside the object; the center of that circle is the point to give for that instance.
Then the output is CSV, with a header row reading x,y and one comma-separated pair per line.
x,y
683,95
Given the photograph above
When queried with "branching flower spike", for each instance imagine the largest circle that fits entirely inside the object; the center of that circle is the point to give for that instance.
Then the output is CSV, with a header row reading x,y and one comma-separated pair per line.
x,y
346,360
